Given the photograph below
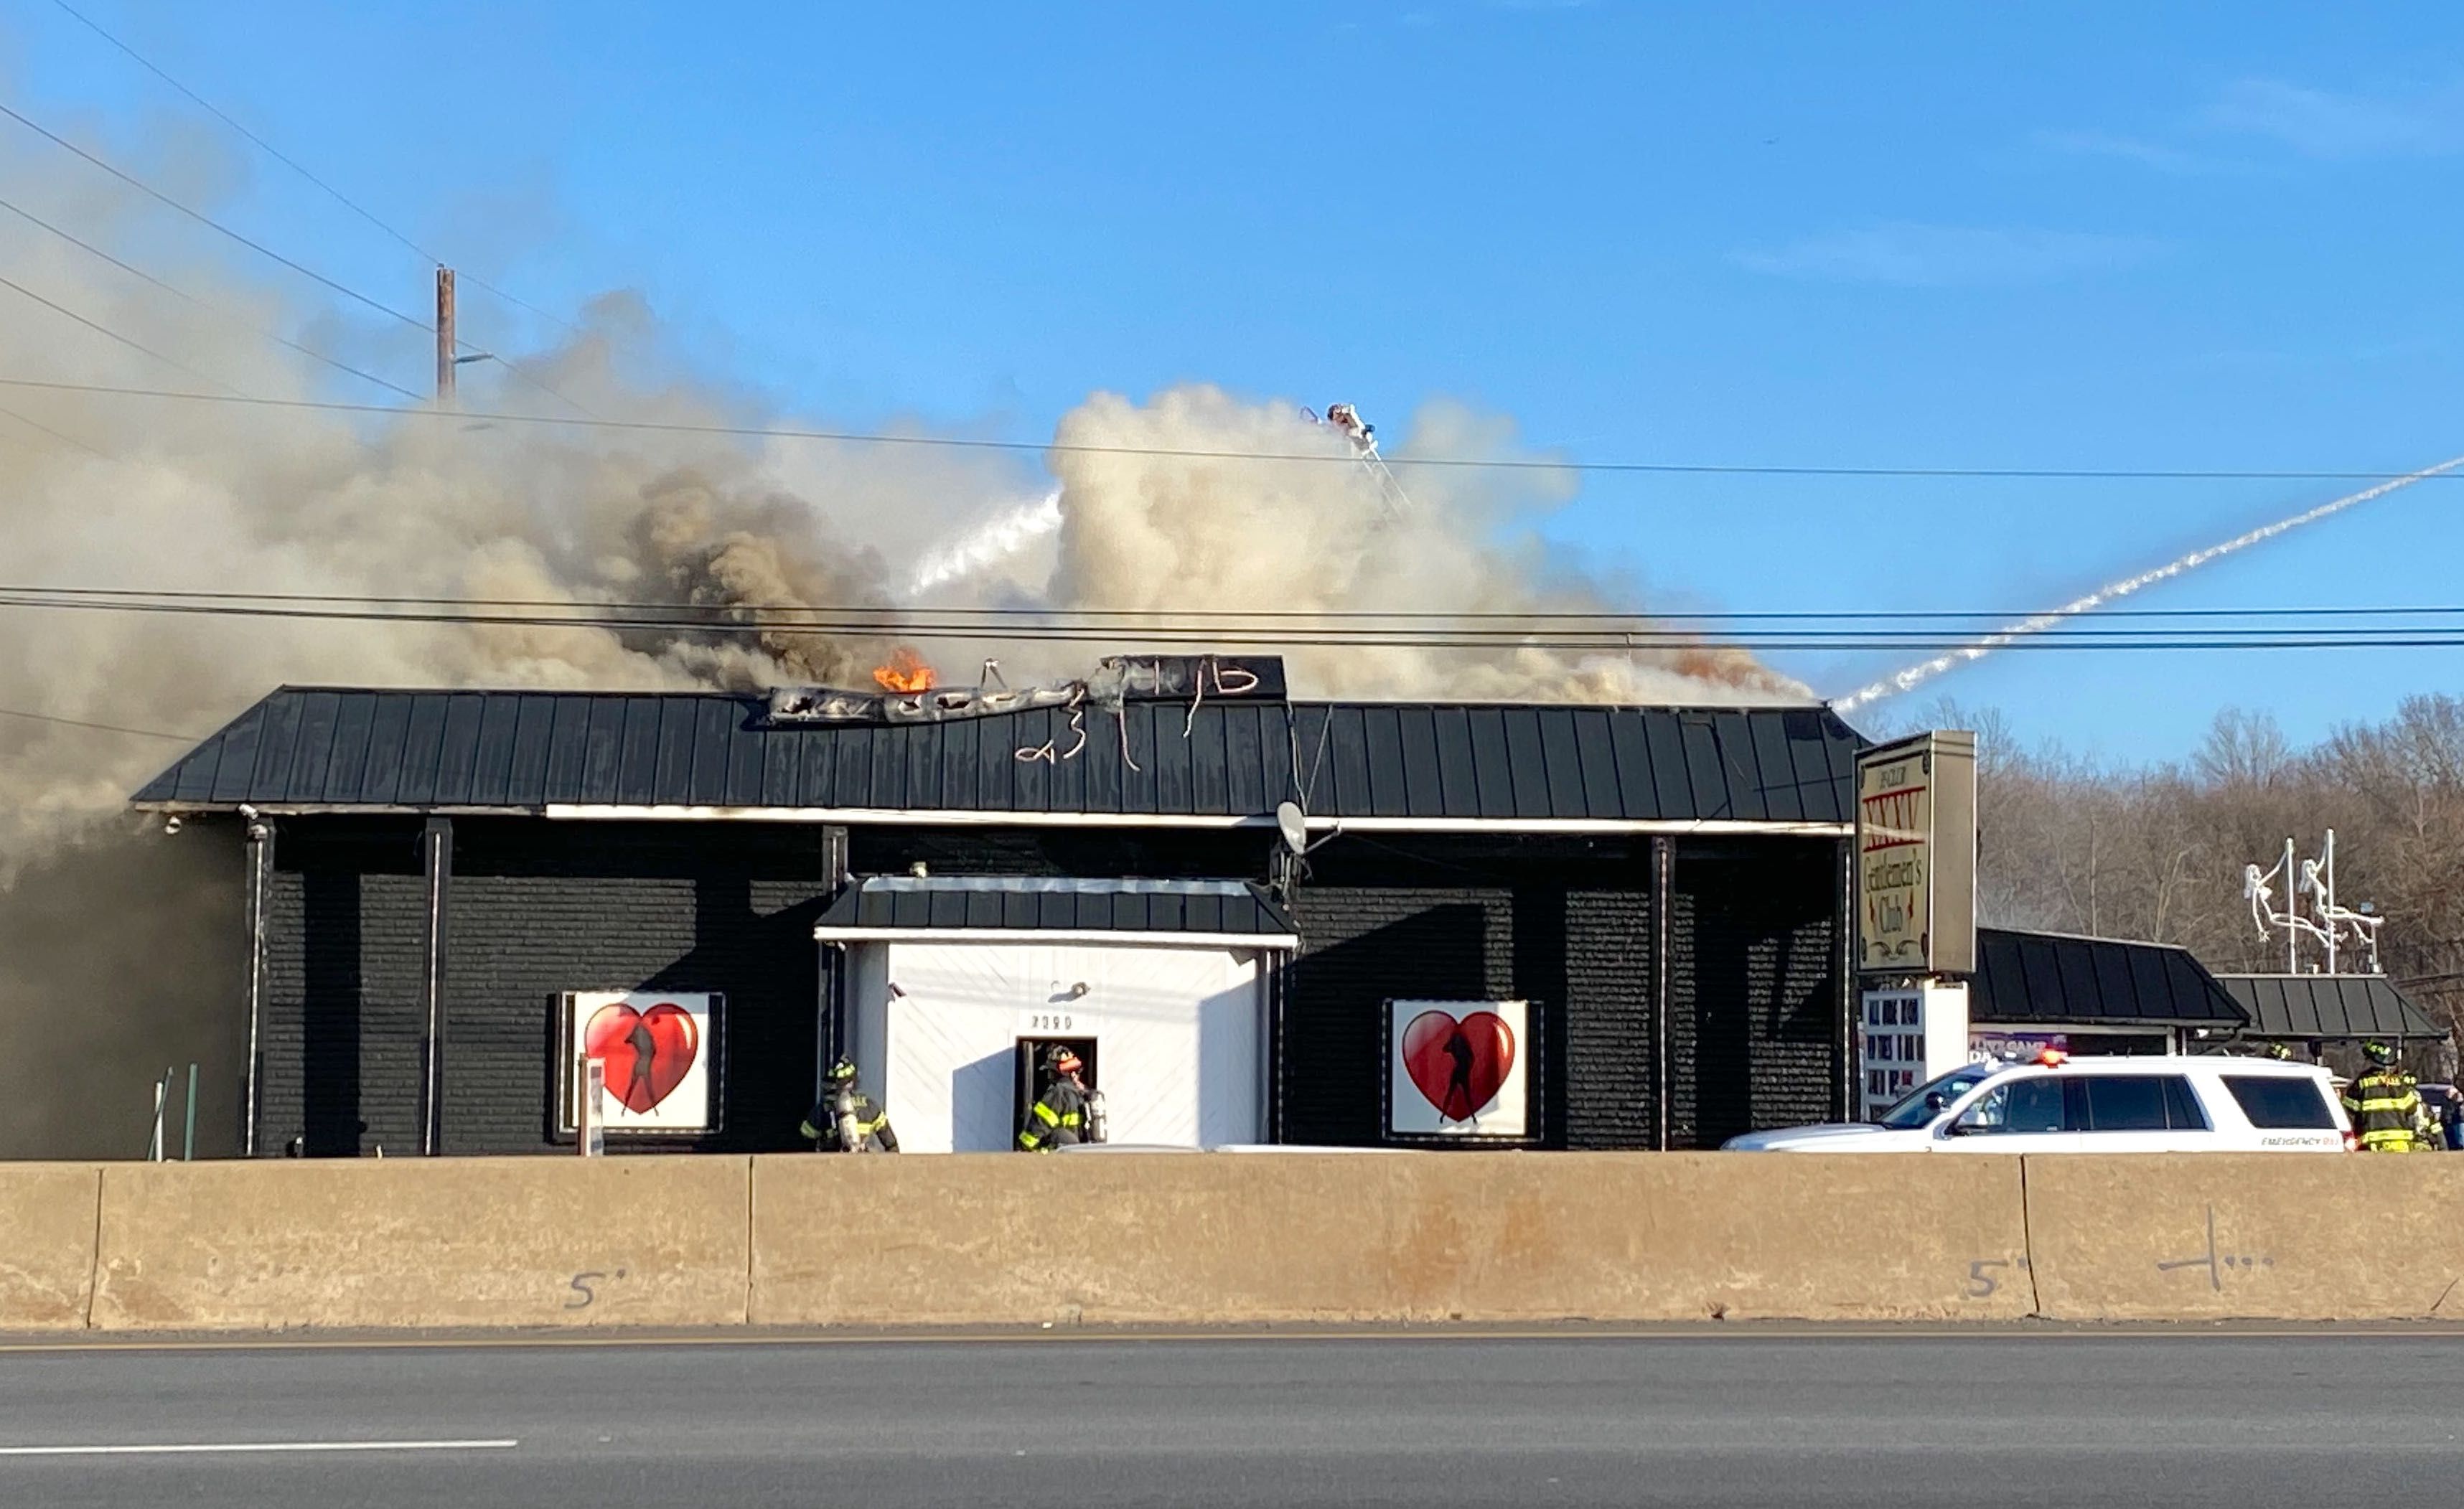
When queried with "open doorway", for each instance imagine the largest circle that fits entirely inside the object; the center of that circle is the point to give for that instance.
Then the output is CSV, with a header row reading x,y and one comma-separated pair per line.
x,y
1034,1076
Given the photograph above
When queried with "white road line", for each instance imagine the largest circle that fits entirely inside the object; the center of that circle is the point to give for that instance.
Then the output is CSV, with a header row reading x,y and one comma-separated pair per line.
x,y
209,1448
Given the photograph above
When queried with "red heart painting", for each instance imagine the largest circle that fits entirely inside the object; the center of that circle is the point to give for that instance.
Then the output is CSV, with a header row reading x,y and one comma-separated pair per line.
x,y
1458,1065
647,1053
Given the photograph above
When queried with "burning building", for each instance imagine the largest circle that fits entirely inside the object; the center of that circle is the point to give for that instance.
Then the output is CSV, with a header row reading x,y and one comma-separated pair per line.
x,y
1258,919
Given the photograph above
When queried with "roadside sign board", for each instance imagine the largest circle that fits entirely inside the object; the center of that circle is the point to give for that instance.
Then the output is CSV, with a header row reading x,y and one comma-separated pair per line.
x,y
1916,856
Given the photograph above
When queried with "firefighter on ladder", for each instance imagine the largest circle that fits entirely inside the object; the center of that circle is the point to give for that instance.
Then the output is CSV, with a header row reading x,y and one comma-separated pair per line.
x,y
2386,1106
847,1119
1062,1117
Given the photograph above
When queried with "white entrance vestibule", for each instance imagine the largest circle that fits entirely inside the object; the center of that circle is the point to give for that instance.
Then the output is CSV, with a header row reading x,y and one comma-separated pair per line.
x,y
1164,987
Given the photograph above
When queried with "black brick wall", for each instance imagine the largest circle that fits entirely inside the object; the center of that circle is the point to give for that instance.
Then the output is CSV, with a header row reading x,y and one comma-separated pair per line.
x,y
339,1037
533,909
1755,992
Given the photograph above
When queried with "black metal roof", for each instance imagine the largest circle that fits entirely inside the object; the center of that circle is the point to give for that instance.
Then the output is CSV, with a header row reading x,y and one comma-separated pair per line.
x,y
2024,977
1017,904
351,749
2328,1006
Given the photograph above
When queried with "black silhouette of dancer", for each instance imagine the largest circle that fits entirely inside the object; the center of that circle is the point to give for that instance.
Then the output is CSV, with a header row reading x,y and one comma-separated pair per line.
x,y
646,1048
1458,1049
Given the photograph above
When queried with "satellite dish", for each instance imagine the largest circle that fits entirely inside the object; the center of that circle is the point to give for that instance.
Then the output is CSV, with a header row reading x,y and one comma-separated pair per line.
x,y
1293,825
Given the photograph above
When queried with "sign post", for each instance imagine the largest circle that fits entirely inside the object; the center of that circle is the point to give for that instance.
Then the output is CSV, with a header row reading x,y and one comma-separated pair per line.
x,y
590,1124
1916,910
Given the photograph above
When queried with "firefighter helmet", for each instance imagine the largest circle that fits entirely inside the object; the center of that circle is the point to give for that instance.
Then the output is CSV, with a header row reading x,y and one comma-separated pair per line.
x,y
2379,1053
843,1071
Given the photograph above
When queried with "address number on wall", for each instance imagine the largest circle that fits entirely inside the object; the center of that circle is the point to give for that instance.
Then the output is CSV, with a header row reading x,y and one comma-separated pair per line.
x,y
1049,1022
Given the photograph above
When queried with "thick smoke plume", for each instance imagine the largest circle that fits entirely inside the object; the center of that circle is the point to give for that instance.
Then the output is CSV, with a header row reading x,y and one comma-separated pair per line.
x,y
119,944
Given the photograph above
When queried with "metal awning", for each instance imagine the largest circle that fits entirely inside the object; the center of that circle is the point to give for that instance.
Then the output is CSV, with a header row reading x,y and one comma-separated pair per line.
x,y
2329,1007
985,908
2025,978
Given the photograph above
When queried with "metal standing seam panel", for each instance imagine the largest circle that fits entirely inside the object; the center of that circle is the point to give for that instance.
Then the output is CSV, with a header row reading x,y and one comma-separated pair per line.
x,y
1595,756
568,746
388,744
1168,912
1843,773
458,748
945,909
2039,968
2360,1017
423,749
1097,772
491,750
2148,984
1310,731
1248,727
1174,730
1054,909
637,766
1561,762
693,752
2001,983
1458,767
1776,764
313,753
1667,741
998,767
782,763
1809,765
1382,746
883,782
1526,771
2115,988
1493,771
850,755
1740,766
1037,729
747,754
984,909
1210,776
1277,738
1637,795
602,780
1416,729
1137,720
2194,997
347,773
276,736
534,735
199,772
1346,776
922,758
1704,770
957,766
2082,994
1201,911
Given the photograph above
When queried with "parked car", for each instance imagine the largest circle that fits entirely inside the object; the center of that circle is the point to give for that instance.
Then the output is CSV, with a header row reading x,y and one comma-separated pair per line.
x,y
2057,1104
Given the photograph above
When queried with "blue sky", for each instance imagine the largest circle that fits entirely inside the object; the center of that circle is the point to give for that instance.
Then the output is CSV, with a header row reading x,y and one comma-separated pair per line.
x,y
1940,235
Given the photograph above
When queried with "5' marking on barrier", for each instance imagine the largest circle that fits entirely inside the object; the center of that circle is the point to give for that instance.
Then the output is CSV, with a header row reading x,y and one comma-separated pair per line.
x,y
228,1448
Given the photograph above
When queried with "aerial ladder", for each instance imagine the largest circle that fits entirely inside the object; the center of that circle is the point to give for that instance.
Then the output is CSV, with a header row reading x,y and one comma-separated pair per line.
x,y
1346,421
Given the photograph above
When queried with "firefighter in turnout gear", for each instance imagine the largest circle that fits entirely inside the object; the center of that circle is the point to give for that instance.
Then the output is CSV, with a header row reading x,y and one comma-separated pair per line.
x,y
2386,1106
1060,1118
847,1119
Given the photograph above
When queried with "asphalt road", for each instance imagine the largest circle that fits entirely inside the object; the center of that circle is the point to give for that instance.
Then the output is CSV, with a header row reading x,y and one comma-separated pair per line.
x,y
1830,1421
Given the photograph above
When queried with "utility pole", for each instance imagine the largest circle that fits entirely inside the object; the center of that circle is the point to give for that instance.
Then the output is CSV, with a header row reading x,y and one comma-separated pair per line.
x,y
445,342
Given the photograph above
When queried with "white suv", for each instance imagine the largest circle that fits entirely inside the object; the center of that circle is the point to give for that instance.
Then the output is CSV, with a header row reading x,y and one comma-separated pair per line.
x,y
2124,1104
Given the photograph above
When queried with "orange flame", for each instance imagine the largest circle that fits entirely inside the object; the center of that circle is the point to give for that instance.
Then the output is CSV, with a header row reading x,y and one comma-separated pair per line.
x,y
905,672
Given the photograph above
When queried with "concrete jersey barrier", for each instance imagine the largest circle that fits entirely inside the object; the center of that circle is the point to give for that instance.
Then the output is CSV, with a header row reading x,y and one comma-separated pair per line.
x,y
47,1245
425,1242
2250,1235
1213,1238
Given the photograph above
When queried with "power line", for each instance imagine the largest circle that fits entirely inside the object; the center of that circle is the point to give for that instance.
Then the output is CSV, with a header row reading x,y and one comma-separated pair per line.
x,y
1611,618
292,164
107,330
210,223
100,728
141,273
64,439
890,624
1063,447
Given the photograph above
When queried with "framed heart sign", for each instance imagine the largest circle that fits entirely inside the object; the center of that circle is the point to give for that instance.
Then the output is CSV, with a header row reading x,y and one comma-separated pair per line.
x,y
659,1051
1457,1070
